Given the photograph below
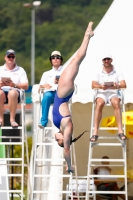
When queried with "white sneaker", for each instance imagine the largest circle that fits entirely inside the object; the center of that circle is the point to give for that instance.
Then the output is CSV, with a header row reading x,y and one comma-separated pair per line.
x,y
41,126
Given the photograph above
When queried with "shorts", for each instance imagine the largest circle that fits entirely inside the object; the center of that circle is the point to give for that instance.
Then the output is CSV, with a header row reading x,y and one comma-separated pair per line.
x,y
6,93
107,96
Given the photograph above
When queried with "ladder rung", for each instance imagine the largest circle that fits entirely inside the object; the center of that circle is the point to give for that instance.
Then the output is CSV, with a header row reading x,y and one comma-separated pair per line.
x,y
56,175
106,192
106,144
54,191
11,143
45,144
93,165
10,127
25,165
13,137
49,159
11,191
108,137
106,160
48,128
107,128
51,165
106,176
11,175
89,192
11,159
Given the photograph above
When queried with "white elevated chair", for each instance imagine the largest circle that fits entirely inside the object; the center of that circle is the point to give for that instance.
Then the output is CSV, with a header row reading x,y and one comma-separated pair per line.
x,y
47,173
8,162
107,144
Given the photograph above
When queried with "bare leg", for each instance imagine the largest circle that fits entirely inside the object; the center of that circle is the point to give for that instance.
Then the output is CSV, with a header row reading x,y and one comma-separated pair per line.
x,y
12,103
98,115
117,112
67,135
2,99
66,82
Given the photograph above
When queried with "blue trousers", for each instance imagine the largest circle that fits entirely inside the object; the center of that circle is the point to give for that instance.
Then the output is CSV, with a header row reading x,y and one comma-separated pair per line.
x,y
47,100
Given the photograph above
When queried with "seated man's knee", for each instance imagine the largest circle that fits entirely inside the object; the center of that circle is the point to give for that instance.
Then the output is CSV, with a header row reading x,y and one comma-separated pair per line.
x,y
115,102
100,103
48,95
13,94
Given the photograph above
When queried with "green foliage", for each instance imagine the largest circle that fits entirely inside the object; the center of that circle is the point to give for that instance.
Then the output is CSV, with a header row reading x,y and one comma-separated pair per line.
x,y
59,24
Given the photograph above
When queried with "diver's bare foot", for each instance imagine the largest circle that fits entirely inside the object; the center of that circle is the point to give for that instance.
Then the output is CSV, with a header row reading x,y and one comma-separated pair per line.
x,y
70,170
89,31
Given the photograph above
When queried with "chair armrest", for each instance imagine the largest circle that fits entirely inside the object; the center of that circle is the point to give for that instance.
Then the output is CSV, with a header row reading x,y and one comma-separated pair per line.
x,y
75,89
22,96
122,91
94,94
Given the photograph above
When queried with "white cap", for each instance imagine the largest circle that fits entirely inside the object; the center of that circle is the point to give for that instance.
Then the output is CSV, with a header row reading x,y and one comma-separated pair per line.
x,y
56,53
107,56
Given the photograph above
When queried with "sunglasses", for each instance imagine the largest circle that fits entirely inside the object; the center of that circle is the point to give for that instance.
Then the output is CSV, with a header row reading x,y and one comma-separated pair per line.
x,y
11,57
107,59
57,57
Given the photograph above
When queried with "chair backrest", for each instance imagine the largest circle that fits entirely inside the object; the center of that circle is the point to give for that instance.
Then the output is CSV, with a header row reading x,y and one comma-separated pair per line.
x,y
80,185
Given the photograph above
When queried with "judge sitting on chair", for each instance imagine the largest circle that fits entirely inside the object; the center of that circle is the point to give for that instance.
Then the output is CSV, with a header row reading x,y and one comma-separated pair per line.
x,y
12,79
108,82
49,83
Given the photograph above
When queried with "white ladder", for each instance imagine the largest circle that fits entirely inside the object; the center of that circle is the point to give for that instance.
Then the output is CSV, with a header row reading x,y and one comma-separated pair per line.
x,y
9,162
117,162
48,176
48,167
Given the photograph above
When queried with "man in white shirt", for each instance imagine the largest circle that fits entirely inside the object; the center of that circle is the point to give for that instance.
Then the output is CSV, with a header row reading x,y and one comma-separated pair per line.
x,y
12,79
108,82
49,83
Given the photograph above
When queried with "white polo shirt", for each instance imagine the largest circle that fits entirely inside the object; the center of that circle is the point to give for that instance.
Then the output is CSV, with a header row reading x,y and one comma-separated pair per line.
x,y
17,75
48,77
113,76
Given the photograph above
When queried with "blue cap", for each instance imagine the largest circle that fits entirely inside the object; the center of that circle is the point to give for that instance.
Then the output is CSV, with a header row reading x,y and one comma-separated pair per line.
x,y
10,51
